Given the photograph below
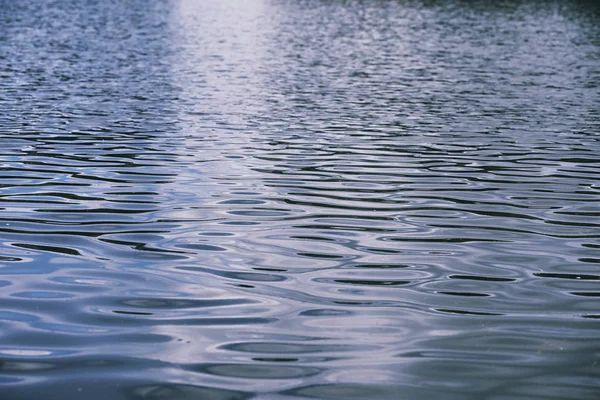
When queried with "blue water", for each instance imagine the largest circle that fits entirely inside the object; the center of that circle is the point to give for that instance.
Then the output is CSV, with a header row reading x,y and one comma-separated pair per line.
x,y
285,200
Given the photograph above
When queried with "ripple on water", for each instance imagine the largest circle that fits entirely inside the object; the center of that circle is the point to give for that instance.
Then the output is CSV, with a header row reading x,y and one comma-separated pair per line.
x,y
327,200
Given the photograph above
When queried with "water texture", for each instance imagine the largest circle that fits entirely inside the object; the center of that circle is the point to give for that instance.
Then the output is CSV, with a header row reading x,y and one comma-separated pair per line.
x,y
280,200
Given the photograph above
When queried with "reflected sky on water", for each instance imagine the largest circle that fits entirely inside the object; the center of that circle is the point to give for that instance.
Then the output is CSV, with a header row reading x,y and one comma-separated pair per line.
x,y
295,200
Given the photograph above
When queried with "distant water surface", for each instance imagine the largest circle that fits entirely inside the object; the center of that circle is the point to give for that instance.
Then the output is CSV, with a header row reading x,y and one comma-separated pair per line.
x,y
285,200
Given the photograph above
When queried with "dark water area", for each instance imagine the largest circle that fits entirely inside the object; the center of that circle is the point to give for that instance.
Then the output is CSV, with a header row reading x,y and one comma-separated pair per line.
x,y
281,200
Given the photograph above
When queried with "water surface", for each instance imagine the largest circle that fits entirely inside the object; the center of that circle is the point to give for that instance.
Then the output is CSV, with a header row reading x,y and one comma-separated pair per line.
x,y
280,200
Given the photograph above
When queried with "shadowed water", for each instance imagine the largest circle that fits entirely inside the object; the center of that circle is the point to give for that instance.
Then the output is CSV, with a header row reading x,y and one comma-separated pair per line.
x,y
281,200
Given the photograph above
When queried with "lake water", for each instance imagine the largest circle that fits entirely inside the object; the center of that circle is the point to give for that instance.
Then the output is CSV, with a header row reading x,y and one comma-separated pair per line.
x,y
284,200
